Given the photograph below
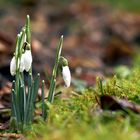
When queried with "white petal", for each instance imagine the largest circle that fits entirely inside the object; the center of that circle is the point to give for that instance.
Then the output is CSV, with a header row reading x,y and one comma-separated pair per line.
x,y
13,66
27,60
22,65
66,75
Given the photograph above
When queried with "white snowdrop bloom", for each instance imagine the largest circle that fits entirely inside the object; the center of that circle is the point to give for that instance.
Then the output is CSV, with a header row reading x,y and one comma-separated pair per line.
x,y
66,75
13,66
22,65
27,59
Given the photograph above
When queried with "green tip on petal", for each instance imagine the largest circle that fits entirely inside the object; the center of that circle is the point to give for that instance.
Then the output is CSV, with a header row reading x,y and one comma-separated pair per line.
x,y
63,61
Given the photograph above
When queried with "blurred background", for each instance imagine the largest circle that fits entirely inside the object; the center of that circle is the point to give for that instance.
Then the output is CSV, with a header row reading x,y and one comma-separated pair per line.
x,y
99,35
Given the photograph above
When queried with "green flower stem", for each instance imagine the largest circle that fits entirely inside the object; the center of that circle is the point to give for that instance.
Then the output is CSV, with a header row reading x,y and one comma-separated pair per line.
x,y
43,103
17,44
21,38
31,103
13,110
17,90
36,86
24,96
100,85
54,73
15,106
28,98
21,103
28,35
28,30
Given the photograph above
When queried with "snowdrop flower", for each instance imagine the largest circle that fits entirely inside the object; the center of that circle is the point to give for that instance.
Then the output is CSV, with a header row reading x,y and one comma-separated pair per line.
x,y
66,75
13,66
27,59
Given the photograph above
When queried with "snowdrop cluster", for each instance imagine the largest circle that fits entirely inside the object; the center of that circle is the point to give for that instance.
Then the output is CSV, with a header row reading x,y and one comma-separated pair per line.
x,y
23,101
22,63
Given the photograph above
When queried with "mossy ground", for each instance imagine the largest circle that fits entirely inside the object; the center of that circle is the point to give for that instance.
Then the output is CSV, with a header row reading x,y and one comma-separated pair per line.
x,y
79,117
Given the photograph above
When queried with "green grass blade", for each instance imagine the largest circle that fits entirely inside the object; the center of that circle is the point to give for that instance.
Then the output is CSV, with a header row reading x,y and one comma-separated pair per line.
x,y
36,86
44,113
16,106
21,105
13,109
21,41
54,73
17,46
31,103
28,31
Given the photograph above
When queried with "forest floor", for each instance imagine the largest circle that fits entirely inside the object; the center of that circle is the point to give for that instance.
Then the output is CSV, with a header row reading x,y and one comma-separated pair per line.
x,y
100,40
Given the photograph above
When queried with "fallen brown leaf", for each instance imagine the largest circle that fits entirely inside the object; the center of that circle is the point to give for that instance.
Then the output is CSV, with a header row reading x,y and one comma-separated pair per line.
x,y
4,126
112,103
11,135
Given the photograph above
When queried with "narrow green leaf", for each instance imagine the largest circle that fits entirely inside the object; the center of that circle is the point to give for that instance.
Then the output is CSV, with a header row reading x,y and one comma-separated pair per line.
x,y
28,31
54,73
28,105
44,113
24,98
16,106
31,103
51,90
17,46
36,86
21,103
13,109
21,41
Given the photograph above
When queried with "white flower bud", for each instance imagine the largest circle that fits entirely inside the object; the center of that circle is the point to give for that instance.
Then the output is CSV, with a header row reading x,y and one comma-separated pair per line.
x,y
66,75
13,66
27,59
22,65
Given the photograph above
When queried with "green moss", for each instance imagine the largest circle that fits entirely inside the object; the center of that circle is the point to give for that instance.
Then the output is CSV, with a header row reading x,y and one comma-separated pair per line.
x,y
79,121
79,117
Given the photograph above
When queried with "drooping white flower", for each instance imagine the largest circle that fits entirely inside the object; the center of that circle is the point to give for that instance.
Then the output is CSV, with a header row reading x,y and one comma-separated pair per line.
x,y
66,75
21,64
27,59
13,66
